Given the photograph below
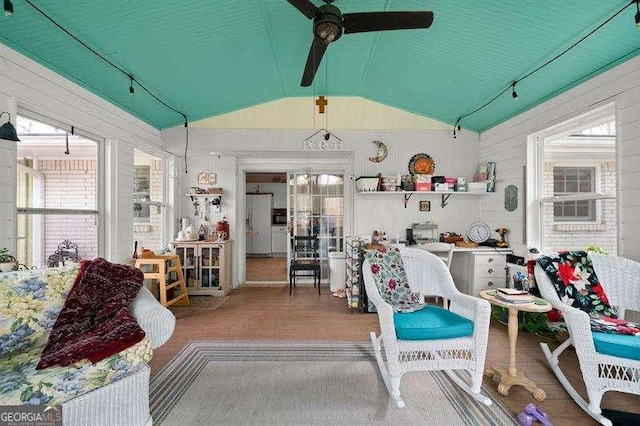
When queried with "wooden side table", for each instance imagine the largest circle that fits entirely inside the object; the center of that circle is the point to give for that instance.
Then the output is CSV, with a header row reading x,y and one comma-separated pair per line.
x,y
510,375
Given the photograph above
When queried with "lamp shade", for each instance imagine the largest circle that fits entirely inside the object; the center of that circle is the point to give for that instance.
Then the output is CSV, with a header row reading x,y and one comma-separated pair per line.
x,y
7,131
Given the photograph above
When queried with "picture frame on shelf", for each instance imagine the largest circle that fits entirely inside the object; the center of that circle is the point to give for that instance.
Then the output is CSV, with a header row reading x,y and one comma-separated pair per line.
x,y
425,206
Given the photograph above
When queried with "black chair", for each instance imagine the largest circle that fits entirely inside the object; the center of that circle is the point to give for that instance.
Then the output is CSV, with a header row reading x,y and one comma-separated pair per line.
x,y
305,259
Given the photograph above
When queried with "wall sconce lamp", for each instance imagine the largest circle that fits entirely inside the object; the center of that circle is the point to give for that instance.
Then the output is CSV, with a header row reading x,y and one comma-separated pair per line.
x,y
7,131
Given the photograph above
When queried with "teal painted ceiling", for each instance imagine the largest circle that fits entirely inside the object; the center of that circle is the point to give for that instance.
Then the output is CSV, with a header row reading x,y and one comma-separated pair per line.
x,y
206,58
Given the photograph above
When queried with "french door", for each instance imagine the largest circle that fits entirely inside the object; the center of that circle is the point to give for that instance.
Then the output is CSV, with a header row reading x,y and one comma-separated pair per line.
x,y
315,202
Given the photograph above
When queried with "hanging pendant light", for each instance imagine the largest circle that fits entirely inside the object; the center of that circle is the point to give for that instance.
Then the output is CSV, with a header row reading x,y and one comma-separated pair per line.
x,y
7,131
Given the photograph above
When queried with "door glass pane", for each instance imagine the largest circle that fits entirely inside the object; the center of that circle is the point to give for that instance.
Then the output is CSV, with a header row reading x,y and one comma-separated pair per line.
x,y
317,209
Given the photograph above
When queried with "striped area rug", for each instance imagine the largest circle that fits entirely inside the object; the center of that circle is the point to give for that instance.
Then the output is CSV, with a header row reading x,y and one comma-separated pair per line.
x,y
300,383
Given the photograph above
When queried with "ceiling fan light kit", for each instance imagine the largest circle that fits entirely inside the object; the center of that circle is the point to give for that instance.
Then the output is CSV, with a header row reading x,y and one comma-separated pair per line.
x,y
329,23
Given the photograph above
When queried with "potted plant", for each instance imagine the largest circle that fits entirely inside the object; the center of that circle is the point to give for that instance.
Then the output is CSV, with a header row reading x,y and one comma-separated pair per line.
x,y
7,262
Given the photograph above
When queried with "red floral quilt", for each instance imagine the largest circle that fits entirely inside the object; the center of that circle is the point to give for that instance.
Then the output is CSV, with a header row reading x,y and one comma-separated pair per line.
x,y
577,285
95,321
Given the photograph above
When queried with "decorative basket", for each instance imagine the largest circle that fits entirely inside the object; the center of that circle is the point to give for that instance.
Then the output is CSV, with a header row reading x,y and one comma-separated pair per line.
x,y
367,184
467,244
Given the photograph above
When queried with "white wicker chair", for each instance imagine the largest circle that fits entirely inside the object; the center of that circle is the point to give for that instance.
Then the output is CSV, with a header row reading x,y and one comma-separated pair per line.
x,y
445,252
427,274
620,279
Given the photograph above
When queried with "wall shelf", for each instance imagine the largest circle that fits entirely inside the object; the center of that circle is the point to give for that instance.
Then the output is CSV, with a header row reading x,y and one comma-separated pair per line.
x,y
194,196
443,194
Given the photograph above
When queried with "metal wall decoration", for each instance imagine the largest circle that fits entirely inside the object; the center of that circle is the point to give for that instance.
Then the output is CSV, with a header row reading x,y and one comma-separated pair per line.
x,y
381,154
510,198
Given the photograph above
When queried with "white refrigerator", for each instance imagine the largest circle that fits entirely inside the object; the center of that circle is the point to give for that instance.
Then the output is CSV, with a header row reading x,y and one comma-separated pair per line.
x,y
259,209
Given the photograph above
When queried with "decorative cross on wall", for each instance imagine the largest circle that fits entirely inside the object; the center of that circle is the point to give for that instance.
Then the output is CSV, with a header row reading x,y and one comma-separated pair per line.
x,y
321,102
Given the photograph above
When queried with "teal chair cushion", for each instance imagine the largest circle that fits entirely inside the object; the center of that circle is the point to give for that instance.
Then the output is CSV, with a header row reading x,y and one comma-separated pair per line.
x,y
620,345
432,322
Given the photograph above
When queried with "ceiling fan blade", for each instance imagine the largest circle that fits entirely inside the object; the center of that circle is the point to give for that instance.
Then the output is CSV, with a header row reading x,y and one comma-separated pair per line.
x,y
318,47
382,21
307,8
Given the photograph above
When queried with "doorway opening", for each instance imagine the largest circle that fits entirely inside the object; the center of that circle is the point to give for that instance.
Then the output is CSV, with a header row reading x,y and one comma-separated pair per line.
x,y
281,206
266,227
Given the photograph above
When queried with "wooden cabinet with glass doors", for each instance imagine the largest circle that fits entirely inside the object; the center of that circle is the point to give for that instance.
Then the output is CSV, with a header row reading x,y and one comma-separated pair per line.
x,y
206,266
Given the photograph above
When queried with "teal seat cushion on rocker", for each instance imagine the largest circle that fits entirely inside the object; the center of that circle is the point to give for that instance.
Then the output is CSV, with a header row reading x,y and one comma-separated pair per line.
x,y
620,345
430,323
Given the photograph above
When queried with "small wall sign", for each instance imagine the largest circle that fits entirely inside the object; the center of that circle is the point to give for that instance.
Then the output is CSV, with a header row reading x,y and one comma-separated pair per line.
x,y
322,145
425,206
510,198
206,178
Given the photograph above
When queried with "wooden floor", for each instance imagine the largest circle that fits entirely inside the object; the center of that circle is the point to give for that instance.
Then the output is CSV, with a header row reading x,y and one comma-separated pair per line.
x,y
267,269
268,313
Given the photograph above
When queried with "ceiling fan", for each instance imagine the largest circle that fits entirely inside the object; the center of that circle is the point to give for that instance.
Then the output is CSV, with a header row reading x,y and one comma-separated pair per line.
x,y
329,23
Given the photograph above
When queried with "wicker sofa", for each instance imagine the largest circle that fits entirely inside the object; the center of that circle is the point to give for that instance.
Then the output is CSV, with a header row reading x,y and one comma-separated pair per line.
x,y
114,391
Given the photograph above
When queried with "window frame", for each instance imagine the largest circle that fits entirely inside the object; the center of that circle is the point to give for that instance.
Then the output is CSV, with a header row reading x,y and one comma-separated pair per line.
x,y
98,212
534,219
597,205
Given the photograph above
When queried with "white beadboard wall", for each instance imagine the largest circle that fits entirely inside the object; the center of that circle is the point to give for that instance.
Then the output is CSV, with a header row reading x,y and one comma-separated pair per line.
x,y
507,145
27,85
8,152
342,112
453,157
225,169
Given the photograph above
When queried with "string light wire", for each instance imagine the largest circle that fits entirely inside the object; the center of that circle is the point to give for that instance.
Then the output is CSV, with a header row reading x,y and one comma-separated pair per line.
x,y
512,85
127,74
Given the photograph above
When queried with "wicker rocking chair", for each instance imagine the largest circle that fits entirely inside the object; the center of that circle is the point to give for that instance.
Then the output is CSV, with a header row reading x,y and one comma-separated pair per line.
x,y
601,372
442,346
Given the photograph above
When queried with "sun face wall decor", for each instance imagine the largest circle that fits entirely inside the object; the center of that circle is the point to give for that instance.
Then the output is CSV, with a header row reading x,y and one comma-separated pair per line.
x,y
421,164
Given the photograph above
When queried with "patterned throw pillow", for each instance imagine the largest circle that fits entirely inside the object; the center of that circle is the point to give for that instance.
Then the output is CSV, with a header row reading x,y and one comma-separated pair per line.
x,y
391,280
576,283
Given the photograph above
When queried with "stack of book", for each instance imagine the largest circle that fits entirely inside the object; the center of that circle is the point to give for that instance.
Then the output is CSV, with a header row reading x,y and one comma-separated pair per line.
x,y
486,173
512,295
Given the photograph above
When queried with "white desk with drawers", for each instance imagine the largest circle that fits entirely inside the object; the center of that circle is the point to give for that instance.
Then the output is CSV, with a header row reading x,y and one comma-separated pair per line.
x,y
479,268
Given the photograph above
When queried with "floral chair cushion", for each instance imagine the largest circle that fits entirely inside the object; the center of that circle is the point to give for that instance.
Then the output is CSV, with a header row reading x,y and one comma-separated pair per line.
x,y
577,285
391,280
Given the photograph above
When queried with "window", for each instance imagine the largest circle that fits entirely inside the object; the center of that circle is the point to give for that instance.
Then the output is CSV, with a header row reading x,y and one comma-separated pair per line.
x,y
148,200
571,181
57,192
141,193
571,184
